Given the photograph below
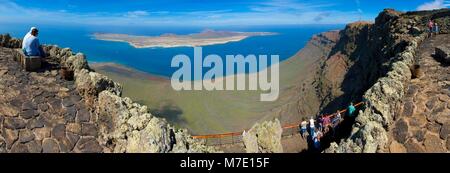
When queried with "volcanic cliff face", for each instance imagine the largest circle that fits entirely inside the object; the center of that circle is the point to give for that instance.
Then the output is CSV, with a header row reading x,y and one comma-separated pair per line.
x,y
375,61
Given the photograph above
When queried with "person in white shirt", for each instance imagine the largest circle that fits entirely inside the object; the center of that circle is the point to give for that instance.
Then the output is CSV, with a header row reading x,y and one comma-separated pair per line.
x,y
311,126
31,45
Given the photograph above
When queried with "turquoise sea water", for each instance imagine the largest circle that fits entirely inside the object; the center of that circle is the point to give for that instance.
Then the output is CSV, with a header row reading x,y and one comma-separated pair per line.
x,y
288,41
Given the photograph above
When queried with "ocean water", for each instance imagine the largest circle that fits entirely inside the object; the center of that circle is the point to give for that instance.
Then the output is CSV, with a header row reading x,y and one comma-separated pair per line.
x,y
288,41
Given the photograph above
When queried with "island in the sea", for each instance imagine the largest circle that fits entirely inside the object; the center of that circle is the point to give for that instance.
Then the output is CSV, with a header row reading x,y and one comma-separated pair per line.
x,y
204,38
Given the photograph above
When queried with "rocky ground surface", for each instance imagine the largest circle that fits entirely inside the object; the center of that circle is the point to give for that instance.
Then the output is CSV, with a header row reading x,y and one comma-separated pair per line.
x,y
423,124
40,112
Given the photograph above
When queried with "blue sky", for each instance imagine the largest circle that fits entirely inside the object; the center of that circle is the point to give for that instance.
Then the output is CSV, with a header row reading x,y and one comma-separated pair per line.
x,y
202,12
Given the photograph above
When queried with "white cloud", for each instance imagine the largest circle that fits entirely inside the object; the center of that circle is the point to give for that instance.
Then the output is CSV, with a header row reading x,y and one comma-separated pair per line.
x,y
138,13
287,5
436,4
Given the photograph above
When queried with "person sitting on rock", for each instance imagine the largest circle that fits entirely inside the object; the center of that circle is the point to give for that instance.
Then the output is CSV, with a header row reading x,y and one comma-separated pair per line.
x,y
30,44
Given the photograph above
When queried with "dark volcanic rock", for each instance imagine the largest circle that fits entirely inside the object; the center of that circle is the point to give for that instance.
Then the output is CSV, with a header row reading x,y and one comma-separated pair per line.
x,y
25,136
420,135
88,145
431,103
29,106
50,145
10,136
35,123
34,147
70,114
19,148
67,102
14,123
443,54
88,129
401,131
433,127
68,143
445,131
75,98
43,107
412,90
83,115
59,131
413,146
55,104
27,114
408,109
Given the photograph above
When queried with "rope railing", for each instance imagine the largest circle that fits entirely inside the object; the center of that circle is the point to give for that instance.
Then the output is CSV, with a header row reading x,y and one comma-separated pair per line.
x,y
233,134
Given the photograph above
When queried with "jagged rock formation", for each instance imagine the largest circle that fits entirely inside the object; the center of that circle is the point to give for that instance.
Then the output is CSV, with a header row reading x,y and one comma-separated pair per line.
x,y
264,137
387,60
40,112
7,41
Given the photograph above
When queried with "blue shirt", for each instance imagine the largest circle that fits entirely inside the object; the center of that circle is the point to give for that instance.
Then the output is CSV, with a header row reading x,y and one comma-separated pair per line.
x,y
31,46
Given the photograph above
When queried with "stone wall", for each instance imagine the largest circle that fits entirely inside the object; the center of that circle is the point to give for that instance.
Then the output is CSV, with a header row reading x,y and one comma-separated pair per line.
x,y
7,41
124,126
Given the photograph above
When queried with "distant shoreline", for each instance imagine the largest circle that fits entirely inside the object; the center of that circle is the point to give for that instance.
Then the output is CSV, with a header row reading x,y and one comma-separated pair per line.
x,y
205,38
127,71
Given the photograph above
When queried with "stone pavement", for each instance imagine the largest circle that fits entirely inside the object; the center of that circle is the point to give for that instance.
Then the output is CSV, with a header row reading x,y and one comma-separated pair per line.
x,y
40,112
423,124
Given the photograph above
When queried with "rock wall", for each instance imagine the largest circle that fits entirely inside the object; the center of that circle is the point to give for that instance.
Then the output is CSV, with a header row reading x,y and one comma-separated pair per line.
x,y
264,137
404,31
124,126
7,41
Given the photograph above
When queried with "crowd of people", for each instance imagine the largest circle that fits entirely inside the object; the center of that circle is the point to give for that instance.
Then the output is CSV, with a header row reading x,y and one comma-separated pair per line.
x,y
323,124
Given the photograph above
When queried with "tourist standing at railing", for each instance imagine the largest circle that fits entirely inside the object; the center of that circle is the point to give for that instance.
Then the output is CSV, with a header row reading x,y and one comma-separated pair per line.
x,y
337,118
320,122
351,110
303,127
316,139
326,121
312,126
